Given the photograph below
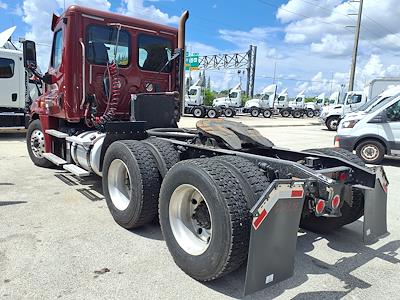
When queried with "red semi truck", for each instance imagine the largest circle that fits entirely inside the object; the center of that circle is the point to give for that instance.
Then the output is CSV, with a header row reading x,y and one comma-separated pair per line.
x,y
224,194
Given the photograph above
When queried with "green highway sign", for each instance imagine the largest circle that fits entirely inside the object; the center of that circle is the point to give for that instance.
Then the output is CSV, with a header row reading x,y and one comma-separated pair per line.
x,y
192,61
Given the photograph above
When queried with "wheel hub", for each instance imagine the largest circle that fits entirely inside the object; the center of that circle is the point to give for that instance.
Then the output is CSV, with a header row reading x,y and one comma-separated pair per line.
x,y
190,219
37,143
370,152
202,216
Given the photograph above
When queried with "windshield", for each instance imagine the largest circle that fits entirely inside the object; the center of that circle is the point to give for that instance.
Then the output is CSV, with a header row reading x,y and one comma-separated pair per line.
x,y
233,95
192,92
281,98
382,104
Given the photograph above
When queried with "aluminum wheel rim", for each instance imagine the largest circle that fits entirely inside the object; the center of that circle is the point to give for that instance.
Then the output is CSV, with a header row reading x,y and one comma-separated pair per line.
x,y
212,113
191,237
370,152
310,114
334,124
254,113
228,113
267,114
37,143
119,186
197,112
285,113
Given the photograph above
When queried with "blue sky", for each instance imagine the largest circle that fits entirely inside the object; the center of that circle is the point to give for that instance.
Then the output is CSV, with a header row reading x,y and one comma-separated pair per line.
x,y
307,39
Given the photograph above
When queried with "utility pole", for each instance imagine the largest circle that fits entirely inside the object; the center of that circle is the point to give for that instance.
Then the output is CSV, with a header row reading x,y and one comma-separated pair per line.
x,y
355,48
274,72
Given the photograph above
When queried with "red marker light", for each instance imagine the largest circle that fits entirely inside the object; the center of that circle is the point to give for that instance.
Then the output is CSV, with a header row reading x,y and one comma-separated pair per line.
x,y
335,201
343,176
319,208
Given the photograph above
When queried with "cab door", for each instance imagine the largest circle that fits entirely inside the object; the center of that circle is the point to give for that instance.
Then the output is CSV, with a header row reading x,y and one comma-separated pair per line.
x,y
391,129
11,81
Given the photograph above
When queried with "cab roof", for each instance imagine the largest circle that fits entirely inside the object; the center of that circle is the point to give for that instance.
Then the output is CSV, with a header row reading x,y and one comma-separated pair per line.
x,y
117,18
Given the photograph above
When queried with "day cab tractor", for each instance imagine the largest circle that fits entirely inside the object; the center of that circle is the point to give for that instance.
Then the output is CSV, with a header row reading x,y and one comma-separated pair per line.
x,y
224,194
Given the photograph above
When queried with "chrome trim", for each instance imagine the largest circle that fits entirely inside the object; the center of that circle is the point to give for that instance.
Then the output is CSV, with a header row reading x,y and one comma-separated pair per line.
x,y
83,73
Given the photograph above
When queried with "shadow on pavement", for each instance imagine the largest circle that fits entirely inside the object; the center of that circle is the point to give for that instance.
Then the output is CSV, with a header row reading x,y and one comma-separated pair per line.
x,y
12,136
5,203
346,240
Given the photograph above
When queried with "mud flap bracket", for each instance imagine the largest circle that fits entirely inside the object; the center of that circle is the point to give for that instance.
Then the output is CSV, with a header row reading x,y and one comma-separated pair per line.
x,y
275,224
375,204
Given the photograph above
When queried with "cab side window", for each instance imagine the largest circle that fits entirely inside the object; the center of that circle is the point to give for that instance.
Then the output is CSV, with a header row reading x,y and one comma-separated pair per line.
x,y
6,68
153,53
57,50
104,43
393,112
355,99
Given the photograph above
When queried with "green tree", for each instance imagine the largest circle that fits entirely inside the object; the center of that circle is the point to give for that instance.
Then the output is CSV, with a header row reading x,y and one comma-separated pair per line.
x,y
209,83
209,96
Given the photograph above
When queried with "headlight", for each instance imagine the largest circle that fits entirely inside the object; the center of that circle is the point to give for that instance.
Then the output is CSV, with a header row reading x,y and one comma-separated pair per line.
x,y
349,124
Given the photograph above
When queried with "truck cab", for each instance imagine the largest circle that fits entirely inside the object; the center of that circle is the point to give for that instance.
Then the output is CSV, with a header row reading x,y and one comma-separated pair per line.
x,y
16,91
234,99
266,101
282,101
194,96
332,114
298,102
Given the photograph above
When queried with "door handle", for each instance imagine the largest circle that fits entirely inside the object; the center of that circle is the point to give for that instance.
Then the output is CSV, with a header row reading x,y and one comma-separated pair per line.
x,y
14,97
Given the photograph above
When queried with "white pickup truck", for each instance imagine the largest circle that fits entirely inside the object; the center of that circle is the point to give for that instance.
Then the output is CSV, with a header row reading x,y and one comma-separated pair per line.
x,y
353,100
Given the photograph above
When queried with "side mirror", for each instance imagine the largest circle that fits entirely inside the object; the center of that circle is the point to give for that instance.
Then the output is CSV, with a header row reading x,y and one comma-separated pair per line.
x,y
29,53
49,79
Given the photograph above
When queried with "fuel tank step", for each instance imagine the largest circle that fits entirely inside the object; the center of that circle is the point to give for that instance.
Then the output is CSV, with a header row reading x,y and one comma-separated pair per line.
x,y
56,133
54,159
74,169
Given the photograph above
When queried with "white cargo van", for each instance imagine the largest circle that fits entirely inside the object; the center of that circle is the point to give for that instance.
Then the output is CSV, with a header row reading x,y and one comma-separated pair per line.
x,y
374,134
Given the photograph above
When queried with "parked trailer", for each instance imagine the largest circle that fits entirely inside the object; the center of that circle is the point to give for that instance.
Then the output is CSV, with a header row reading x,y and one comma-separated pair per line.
x,y
225,195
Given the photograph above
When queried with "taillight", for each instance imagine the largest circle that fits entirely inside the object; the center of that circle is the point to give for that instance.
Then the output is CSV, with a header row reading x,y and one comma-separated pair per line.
x,y
335,202
319,208
343,176
337,142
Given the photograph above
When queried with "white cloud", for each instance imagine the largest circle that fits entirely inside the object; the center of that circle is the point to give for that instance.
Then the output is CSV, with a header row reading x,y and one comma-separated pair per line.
x,y
331,45
3,5
255,35
303,8
136,8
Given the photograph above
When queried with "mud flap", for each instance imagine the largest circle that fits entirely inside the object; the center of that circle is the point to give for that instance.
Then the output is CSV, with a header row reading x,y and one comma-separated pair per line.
x,y
375,202
275,224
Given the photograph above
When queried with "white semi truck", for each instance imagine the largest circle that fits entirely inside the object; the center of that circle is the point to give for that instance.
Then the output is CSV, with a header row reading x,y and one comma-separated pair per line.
x,y
17,91
353,100
194,103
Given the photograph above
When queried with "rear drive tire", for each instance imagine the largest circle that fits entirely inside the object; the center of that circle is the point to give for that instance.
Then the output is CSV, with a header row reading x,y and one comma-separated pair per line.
x,y
371,151
285,113
254,112
296,114
267,113
212,113
35,144
310,113
349,213
253,179
167,151
131,183
198,112
204,218
228,112
332,123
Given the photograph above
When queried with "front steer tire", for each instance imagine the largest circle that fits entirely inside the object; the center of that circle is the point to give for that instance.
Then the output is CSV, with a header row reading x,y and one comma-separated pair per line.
x,y
349,213
35,134
227,247
131,183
